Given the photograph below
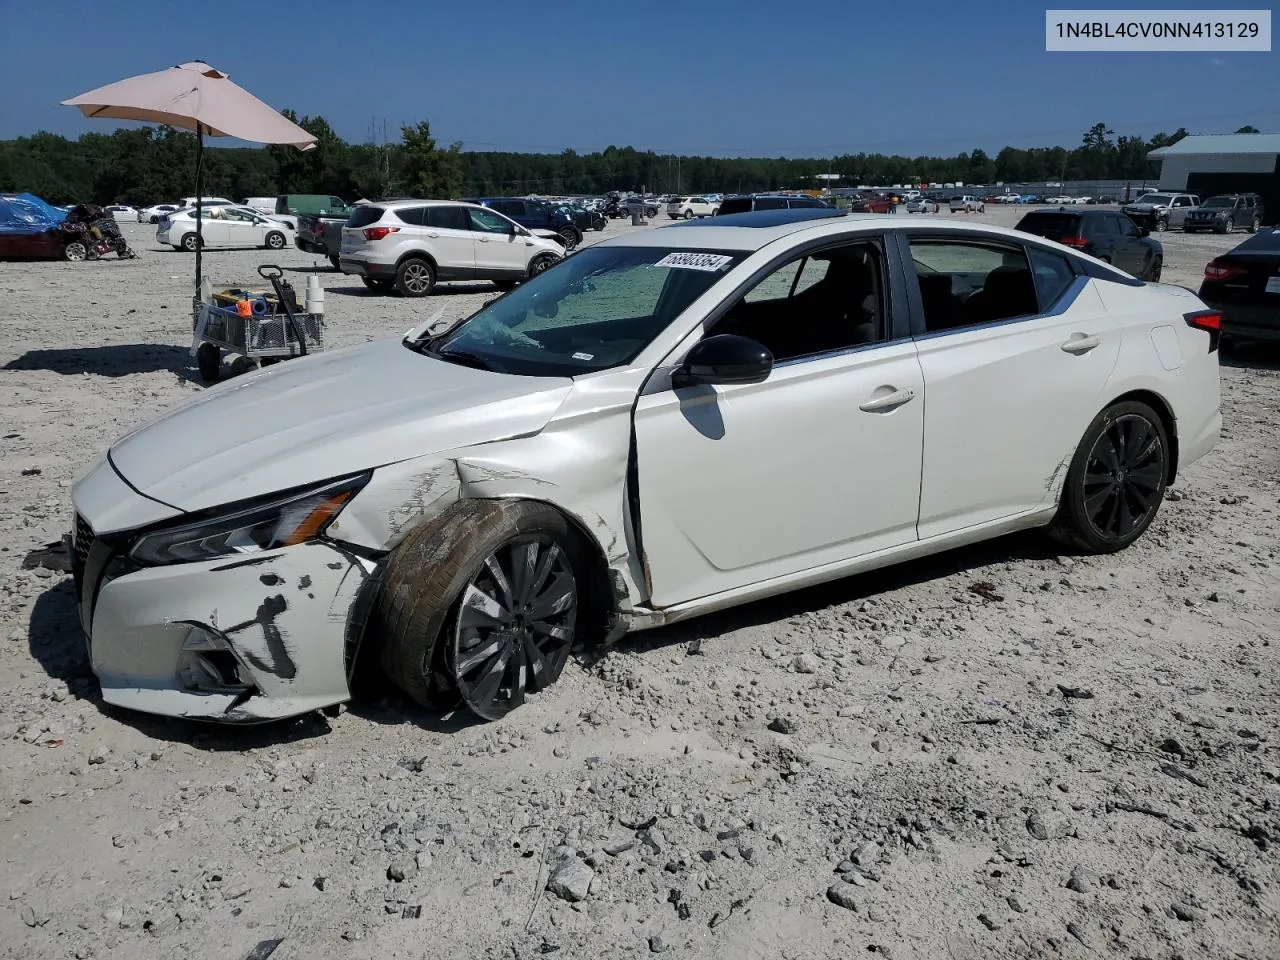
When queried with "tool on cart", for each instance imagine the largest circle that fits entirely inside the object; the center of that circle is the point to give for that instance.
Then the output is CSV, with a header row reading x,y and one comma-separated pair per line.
x,y
264,326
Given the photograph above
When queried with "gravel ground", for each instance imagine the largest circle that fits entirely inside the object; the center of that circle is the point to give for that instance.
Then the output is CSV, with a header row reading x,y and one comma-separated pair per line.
x,y
1000,752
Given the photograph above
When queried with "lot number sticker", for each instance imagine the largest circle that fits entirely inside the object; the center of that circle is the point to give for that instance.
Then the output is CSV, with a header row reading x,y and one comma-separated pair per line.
x,y
710,262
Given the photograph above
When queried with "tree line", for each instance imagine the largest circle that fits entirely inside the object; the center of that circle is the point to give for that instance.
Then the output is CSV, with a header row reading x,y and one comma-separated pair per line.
x,y
157,164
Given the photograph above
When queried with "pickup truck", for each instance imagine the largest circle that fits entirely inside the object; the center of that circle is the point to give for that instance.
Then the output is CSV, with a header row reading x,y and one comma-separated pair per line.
x,y
1160,211
321,233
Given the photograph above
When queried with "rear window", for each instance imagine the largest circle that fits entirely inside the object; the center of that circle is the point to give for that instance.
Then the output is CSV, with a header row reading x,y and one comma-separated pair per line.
x,y
735,205
365,215
1051,225
1264,241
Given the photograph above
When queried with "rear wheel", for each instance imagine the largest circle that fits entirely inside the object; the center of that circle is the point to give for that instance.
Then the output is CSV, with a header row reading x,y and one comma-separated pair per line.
x,y
378,286
415,277
483,604
190,242
1116,480
209,362
688,214
1254,224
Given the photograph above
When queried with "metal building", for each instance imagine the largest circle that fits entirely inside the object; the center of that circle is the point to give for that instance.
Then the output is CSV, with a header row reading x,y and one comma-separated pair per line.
x,y
1226,163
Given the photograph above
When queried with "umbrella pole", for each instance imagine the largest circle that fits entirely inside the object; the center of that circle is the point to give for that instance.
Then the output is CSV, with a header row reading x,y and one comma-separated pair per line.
x,y
199,205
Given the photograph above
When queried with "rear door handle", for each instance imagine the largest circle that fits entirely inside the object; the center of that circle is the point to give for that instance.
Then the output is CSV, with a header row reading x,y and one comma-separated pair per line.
x,y
1078,343
890,401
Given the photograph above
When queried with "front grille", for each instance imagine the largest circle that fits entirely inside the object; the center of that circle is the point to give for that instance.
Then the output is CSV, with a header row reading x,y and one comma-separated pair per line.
x,y
80,552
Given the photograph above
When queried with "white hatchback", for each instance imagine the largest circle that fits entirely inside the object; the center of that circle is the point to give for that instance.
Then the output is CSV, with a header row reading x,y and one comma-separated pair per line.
x,y
412,244
665,424
224,225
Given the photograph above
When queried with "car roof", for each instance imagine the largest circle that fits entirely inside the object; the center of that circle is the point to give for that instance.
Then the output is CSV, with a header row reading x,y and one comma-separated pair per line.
x,y
399,204
760,219
728,233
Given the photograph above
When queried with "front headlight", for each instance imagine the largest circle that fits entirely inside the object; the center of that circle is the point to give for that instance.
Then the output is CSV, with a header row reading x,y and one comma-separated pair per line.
x,y
250,527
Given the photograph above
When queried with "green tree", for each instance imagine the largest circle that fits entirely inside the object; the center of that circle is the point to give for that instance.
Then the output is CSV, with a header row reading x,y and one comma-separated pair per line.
x,y
1248,129
428,171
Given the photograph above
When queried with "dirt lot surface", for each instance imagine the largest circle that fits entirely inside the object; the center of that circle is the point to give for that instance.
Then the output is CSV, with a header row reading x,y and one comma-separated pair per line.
x,y
1001,752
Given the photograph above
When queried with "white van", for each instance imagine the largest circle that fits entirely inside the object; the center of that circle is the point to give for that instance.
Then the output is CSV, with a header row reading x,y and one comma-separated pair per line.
x,y
261,204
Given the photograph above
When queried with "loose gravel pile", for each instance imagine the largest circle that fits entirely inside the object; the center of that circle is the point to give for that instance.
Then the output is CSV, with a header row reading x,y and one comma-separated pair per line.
x,y
999,752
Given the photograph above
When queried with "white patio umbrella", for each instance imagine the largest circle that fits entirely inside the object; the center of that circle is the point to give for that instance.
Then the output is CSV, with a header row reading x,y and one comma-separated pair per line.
x,y
194,96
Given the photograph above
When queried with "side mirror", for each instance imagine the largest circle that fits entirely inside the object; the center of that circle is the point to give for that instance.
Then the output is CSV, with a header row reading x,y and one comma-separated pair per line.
x,y
724,358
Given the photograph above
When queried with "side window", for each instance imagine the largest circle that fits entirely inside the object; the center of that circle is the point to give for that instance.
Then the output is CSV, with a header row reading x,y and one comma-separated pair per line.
x,y
1180,201
827,301
486,221
415,216
1053,275
967,283
1126,226
771,203
448,217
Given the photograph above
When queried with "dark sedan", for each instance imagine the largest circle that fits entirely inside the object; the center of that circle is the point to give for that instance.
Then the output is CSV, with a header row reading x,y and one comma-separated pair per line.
x,y
1244,286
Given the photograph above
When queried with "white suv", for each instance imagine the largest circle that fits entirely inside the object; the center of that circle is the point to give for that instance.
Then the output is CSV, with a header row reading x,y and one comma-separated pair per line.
x,y
411,244
686,208
968,204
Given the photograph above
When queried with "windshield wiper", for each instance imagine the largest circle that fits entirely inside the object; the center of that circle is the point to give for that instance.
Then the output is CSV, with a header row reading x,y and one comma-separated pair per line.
x,y
466,359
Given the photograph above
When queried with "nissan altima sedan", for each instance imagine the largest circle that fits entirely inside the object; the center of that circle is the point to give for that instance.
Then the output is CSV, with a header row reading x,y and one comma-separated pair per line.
x,y
662,425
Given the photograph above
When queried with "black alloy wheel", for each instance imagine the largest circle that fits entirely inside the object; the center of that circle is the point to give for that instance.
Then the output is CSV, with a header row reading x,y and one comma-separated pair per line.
x,y
1124,477
515,624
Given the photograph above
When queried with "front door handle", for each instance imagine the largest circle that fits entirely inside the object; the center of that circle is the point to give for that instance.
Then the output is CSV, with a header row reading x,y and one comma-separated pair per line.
x,y
483,239
890,401
1078,344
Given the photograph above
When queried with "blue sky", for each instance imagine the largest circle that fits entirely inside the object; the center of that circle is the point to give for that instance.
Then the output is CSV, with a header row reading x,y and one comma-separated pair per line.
x,y
742,78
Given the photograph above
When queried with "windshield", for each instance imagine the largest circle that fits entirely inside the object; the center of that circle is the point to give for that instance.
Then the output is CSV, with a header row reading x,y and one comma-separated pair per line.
x,y
595,310
1156,198
1220,202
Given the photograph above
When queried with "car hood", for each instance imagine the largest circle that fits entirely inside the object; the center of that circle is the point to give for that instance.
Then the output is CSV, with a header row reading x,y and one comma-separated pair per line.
x,y
1146,206
323,416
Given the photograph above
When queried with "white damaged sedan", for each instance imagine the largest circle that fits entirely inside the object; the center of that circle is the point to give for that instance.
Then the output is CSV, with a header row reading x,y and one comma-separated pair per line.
x,y
662,425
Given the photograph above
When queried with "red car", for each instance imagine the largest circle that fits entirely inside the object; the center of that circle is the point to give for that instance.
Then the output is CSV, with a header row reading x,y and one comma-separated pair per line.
x,y
21,216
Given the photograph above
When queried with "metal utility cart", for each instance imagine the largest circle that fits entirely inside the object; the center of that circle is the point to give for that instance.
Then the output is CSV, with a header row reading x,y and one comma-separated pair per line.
x,y
274,330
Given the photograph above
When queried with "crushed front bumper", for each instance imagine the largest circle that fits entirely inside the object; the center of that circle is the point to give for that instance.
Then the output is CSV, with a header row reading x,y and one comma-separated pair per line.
x,y
241,639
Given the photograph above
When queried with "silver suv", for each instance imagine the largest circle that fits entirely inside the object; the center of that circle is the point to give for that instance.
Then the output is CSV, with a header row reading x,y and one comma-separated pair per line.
x,y
412,244
1160,211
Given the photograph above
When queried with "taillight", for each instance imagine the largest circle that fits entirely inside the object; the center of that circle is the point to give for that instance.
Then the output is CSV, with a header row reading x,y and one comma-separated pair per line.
x,y
377,233
1210,320
1217,270
1078,242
